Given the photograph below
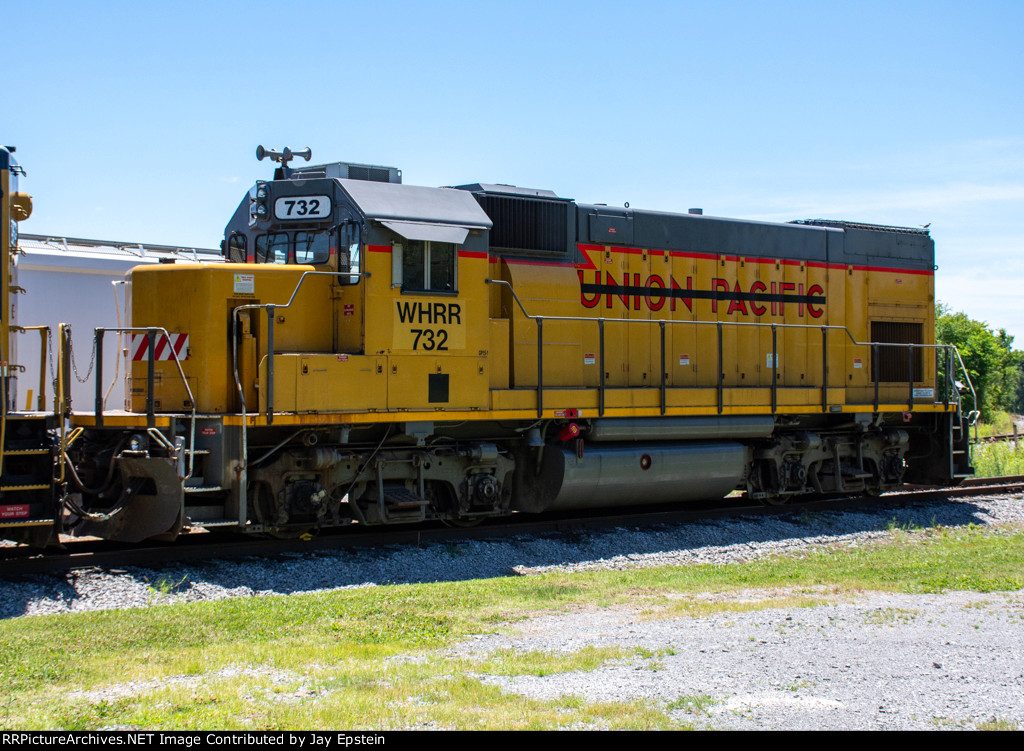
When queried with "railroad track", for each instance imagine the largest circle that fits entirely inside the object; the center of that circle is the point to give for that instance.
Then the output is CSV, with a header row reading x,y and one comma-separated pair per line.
x,y
1000,438
76,554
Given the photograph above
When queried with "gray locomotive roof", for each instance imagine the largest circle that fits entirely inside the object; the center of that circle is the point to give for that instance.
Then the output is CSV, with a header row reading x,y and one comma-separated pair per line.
x,y
835,242
510,190
412,203
831,241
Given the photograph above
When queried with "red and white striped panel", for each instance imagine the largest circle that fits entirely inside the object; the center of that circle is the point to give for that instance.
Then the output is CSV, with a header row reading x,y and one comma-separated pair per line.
x,y
164,350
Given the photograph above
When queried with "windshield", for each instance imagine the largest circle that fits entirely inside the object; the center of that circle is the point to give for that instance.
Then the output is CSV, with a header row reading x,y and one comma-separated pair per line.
x,y
300,247
312,247
272,248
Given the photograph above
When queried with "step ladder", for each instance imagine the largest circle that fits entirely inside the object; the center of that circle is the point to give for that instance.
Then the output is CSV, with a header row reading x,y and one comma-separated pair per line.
x,y
28,505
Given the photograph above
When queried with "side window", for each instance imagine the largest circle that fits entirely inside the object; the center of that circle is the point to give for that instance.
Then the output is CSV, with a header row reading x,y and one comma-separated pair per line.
x,y
413,265
236,247
425,266
272,248
442,258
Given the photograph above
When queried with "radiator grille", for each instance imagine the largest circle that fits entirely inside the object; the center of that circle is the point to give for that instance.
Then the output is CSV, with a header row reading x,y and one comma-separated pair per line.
x,y
525,224
894,364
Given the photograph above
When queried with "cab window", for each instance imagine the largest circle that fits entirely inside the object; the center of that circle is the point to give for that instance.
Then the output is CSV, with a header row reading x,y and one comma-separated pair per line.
x,y
236,247
426,266
272,248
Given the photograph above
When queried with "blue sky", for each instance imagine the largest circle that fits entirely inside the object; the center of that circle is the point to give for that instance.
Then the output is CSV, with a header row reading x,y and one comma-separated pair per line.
x,y
139,121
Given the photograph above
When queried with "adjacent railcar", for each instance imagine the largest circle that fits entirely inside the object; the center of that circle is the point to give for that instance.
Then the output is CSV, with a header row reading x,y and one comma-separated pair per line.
x,y
29,511
383,353
47,280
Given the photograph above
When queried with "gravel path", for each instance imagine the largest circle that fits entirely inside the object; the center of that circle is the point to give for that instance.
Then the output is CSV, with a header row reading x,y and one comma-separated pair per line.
x,y
870,662
893,662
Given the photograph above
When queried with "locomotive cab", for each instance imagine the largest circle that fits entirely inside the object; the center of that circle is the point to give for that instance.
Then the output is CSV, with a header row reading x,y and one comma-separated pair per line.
x,y
416,256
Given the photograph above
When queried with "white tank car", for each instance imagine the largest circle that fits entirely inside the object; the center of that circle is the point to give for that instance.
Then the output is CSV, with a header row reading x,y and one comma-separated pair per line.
x,y
77,281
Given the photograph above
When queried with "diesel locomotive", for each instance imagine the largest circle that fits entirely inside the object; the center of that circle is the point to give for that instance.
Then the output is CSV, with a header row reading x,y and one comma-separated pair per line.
x,y
380,353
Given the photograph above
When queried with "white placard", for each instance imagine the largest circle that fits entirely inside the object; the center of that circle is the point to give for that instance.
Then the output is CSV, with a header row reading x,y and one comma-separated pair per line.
x,y
299,208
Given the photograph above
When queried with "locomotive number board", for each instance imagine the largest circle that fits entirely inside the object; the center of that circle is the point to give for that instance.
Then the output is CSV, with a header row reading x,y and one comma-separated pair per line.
x,y
429,326
302,207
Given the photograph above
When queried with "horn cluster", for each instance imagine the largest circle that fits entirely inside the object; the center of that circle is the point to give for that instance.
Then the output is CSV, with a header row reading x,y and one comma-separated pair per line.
x,y
283,157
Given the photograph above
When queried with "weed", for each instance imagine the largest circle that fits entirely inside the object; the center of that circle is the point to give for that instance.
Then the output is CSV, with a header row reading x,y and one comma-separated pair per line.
x,y
693,704
165,586
895,525
998,458
648,654
799,684
995,724
891,616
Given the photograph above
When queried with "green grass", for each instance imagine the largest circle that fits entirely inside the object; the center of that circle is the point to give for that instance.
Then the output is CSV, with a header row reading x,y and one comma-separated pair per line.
x,y
375,658
1001,458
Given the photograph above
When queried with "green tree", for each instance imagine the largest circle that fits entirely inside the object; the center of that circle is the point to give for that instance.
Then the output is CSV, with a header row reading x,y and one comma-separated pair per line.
x,y
992,364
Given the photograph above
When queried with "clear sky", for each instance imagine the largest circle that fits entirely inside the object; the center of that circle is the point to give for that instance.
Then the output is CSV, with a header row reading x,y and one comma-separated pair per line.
x,y
138,121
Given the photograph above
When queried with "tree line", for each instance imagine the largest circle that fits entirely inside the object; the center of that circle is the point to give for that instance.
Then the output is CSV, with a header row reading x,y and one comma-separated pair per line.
x,y
996,369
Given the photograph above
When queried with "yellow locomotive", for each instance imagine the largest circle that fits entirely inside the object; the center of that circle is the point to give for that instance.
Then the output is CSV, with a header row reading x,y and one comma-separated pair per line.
x,y
381,353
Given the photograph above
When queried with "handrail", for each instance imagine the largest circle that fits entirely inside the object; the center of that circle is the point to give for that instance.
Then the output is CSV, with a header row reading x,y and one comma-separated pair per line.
x,y
44,334
774,328
242,469
151,334
270,308
974,396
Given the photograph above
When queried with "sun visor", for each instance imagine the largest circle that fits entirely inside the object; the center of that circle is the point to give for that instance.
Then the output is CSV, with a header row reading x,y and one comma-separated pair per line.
x,y
440,233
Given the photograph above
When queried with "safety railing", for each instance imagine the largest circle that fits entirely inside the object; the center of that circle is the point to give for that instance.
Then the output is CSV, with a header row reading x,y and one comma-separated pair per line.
x,y
949,393
152,334
271,310
44,350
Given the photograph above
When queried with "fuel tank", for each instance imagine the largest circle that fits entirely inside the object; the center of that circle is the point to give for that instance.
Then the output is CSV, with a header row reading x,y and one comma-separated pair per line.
x,y
629,474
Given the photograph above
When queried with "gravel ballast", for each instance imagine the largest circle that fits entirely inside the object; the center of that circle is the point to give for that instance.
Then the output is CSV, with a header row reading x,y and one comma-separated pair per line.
x,y
870,661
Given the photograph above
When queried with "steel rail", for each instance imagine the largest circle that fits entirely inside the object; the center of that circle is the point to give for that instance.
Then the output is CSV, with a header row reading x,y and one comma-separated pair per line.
x,y
92,553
